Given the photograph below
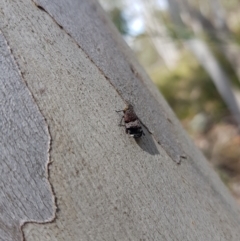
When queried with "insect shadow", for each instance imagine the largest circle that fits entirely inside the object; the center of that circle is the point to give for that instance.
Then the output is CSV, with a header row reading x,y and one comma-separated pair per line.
x,y
134,128
147,144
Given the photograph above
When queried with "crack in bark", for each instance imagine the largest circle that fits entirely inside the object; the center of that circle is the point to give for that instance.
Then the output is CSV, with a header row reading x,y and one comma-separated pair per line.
x,y
48,162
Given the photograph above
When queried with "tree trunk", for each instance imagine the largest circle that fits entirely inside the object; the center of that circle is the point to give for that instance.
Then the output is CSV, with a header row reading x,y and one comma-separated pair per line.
x,y
68,171
210,64
158,34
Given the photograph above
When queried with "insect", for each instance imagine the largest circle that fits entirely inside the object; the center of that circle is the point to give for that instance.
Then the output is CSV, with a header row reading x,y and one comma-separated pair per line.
x,y
131,122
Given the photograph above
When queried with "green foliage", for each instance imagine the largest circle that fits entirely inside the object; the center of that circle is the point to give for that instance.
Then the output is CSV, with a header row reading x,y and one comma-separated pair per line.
x,y
149,56
176,32
189,90
119,20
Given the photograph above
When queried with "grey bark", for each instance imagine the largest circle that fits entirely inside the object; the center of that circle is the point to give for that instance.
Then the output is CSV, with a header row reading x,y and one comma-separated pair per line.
x,y
24,145
106,185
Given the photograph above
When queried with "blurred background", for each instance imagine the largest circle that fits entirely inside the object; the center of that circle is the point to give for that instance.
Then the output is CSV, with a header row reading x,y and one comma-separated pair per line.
x,y
191,51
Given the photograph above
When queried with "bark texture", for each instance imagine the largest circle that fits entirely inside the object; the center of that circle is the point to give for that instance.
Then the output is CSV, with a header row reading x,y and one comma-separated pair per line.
x,y
107,186
25,194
